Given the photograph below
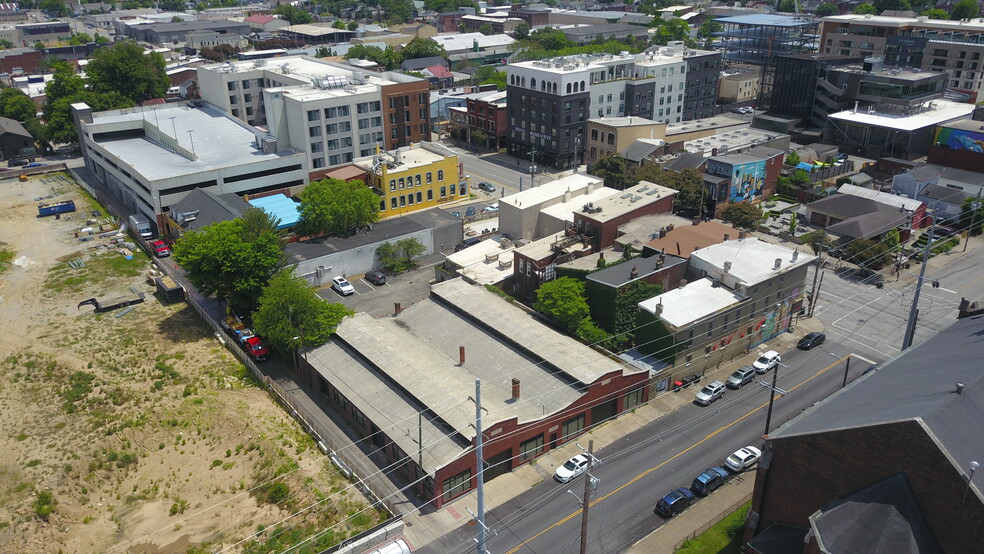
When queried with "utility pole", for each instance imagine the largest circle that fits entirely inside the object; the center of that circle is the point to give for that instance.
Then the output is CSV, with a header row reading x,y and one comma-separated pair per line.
x,y
910,325
532,167
974,206
480,465
816,295
847,367
772,395
577,158
816,272
587,499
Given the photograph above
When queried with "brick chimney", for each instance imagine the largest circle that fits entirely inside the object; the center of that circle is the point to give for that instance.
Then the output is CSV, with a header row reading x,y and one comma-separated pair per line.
x,y
515,389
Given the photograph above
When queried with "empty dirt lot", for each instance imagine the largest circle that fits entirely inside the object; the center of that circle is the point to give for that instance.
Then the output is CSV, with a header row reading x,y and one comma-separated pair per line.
x,y
138,433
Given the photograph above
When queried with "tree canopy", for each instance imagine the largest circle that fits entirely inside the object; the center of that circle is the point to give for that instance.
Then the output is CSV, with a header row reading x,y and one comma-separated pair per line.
x,y
443,6
742,214
65,89
333,206
562,300
125,68
293,14
865,9
826,9
230,260
423,48
965,9
489,74
935,13
613,170
289,307
866,253
521,31
399,257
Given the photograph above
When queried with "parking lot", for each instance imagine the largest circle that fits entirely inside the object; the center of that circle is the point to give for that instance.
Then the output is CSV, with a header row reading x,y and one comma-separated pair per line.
x,y
379,300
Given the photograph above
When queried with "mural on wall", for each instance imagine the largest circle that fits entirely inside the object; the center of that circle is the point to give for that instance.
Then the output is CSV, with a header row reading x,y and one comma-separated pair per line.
x,y
959,139
747,182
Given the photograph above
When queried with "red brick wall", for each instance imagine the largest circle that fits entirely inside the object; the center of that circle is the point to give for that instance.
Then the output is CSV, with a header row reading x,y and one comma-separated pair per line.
x,y
406,97
806,473
604,234
773,168
960,159
508,435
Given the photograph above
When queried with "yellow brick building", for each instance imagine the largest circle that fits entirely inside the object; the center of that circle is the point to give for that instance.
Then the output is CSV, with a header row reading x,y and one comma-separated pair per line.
x,y
414,177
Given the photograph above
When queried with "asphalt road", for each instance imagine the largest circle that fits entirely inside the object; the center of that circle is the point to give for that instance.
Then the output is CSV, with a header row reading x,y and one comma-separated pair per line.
x,y
872,321
499,169
644,465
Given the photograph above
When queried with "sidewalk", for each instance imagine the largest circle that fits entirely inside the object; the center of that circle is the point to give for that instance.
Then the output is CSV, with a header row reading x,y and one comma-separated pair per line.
x,y
422,529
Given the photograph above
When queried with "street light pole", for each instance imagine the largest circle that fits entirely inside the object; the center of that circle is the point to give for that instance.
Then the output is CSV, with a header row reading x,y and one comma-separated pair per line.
x,y
974,206
587,499
847,367
772,395
910,325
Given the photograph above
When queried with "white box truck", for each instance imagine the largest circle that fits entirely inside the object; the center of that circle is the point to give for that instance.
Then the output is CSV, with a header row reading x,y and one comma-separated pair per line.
x,y
140,225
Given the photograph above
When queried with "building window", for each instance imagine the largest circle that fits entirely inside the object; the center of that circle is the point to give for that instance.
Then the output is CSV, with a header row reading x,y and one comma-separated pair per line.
x,y
456,485
231,86
573,427
440,175
632,399
393,203
318,162
317,147
392,185
690,358
531,448
314,132
429,177
430,194
313,115
443,192
359,417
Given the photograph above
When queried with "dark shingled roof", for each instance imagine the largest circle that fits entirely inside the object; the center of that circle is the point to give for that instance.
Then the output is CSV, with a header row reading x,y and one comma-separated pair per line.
x,y
887,507
686,160
918,386
210,207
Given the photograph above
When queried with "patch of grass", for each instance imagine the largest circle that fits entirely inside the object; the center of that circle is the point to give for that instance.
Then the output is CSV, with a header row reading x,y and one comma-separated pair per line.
x,y
79,386
724,537
99,268
44,504
34,463
6,257
21,437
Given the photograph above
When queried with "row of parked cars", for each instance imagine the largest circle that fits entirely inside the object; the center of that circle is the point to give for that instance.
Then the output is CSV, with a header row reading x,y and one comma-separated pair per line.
x,y
741,376
712,478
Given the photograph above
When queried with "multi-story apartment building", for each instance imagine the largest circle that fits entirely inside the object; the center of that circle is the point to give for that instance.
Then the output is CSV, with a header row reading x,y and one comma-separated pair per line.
x,y
954,47
700,98
332,112
550,101
414,178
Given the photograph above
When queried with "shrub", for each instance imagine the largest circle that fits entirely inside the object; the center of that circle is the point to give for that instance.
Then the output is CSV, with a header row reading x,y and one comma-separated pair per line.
x,y
44,504
278,492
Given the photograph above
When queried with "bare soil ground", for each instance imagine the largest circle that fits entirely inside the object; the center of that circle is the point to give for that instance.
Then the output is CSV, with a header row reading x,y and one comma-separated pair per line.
x,y
139,433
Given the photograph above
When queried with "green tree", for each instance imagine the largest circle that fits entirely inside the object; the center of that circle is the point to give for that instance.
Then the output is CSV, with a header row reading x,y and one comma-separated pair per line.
x,y
100,40
973,222
589,333
486,29
612,169
800,177
338,24
899,5
352,26
423,48
550,39
689,184
562,300
17,105
292,14
669,30
826,9
521,31
708,28
819,241
289,307
865,9
935,13
866,253
44,504
321,52
792,158
965,9
125,68
443,6
488,74
742,214
172,5
333,206
60,127
792,224
398,257
80,38
388,58
54,8
225,260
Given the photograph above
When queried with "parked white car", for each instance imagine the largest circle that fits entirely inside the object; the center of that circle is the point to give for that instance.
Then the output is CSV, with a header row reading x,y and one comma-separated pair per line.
x,y
572,469
767,361
342,286
743,458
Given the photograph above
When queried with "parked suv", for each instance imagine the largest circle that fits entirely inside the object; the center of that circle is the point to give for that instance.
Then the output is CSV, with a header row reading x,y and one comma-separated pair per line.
x,y
709,481
767,361
674,502
742,376
488,187
710,393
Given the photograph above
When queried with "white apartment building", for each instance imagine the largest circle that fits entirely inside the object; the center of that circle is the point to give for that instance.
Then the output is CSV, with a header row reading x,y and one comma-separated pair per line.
x,y
939,45
333,113
550,100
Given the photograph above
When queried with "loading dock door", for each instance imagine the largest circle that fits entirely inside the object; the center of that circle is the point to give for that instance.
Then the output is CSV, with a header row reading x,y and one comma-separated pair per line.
x,y
497,465
601,412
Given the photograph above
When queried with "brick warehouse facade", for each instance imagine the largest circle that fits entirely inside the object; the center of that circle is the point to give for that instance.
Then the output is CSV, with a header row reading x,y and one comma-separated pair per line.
x,y
508,441
406,113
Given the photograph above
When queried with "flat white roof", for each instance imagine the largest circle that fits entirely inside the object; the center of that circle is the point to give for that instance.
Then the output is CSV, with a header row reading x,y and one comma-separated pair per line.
x,y
974,24
565,210
475,262
883,197
550,190
942,111
730,140
303,68
692,302
617,205
219,141
466,41
752,260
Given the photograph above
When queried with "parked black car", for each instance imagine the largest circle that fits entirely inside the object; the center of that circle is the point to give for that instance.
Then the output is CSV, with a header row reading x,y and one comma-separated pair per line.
x,y
709,481
675,501
376,277
811,340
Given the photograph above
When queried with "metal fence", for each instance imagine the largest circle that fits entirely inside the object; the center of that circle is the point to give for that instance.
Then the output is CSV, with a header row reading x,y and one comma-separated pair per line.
x,y
714,521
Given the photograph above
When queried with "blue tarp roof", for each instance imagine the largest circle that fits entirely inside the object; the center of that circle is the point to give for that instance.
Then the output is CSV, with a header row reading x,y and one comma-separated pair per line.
x,y
280,206
804,165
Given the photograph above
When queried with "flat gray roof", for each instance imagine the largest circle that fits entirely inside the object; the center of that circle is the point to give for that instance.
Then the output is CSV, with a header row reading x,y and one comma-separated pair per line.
x,y
219,141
